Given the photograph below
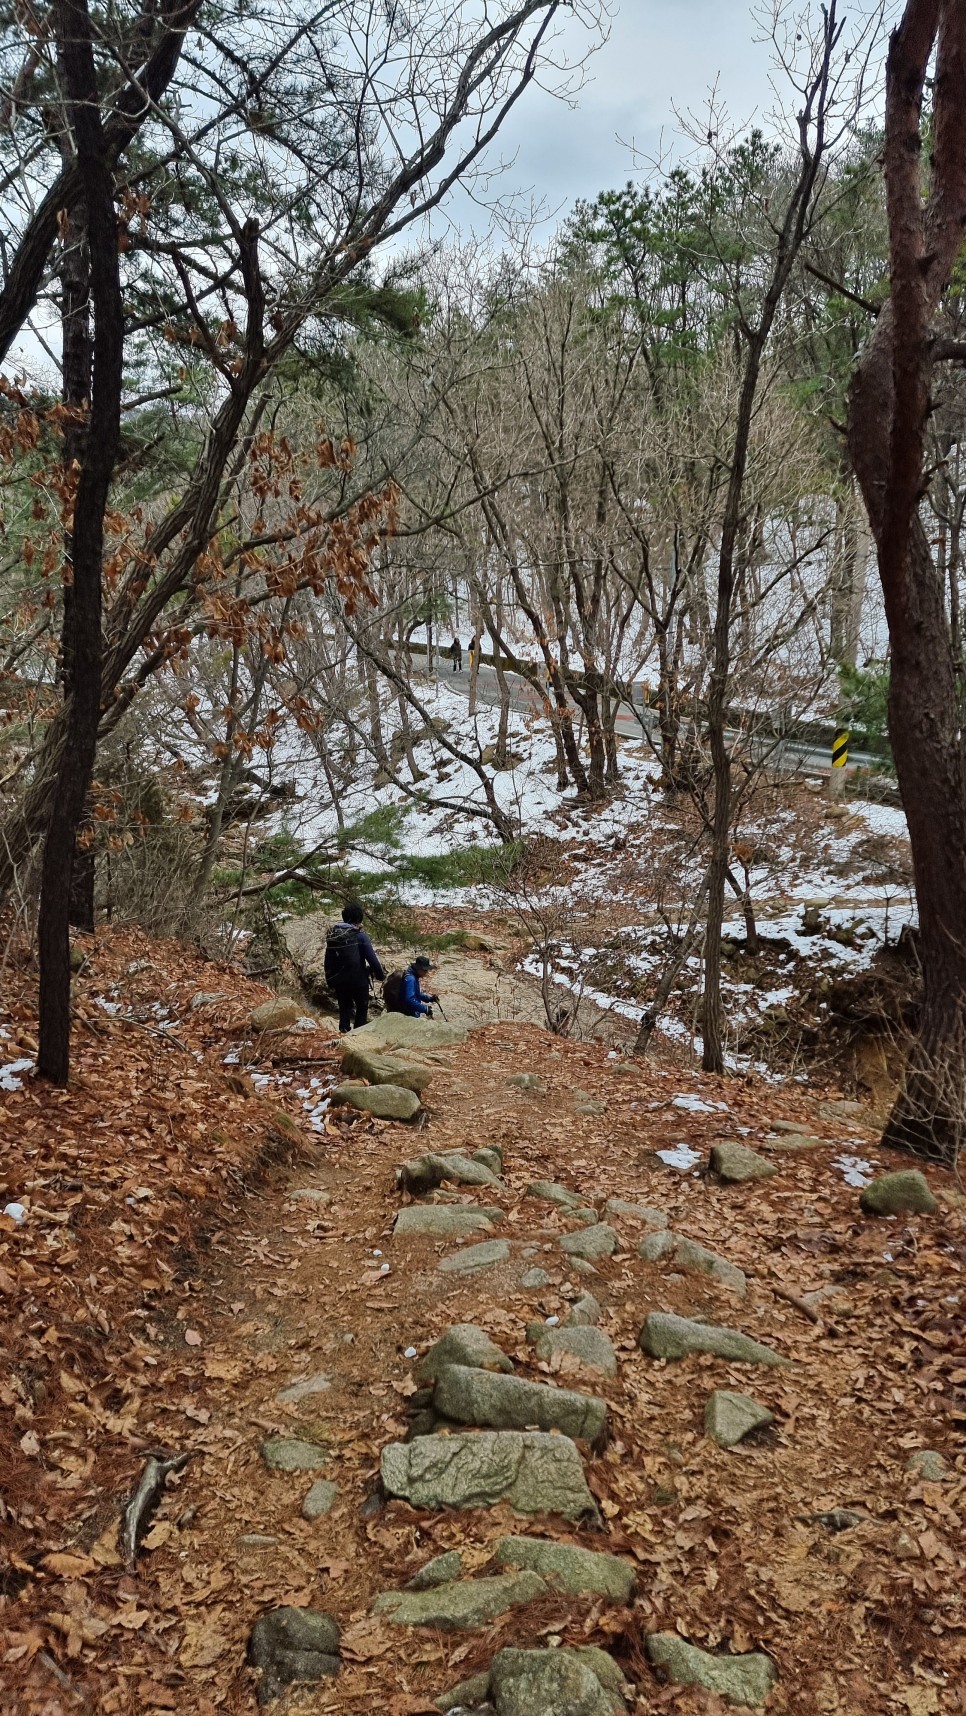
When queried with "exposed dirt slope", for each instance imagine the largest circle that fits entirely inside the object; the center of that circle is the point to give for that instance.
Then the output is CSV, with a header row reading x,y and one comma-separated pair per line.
x,y
198,1346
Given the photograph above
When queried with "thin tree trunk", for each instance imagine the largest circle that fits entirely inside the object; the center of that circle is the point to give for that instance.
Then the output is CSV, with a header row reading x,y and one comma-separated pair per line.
x,y
87,541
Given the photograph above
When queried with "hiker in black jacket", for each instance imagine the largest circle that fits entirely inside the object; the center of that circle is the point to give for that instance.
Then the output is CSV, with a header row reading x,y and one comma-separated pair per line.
x,y
349,959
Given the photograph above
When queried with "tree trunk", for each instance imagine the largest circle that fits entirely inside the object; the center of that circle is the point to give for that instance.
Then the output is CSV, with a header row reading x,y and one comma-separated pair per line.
x,y
889,405
87,541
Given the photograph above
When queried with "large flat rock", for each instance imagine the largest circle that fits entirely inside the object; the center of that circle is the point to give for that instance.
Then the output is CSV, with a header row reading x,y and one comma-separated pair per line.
x,y
424,1173
463,1344
384,1101
532,1471
743,1680
556,1683
382,1069
668,1337
734,1164
590,1242
569,1567
474,1257
585,1346
397,1031
440,1221
462,1603
495,1401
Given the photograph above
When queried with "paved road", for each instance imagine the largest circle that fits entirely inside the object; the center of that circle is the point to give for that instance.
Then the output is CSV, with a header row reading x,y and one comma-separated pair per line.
x,y
789,754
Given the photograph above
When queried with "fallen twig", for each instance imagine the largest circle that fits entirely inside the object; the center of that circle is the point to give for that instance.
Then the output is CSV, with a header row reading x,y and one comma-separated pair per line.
x,y
145,1499
799,1304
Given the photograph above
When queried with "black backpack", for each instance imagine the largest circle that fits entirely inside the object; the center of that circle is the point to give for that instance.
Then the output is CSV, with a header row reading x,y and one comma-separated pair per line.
x,y
343,955
392,992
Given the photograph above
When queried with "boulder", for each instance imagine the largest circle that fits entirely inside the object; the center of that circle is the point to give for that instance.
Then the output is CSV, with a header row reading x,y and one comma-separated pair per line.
x,y
384,1101
569,1567
734,1164
293,1646
587,1346
893,1194
737,1679
534,1279
654,1246
464,1603
527,1081
584,1312
928,1464
397,1031
279,1014
439,1571
463,1344
320,1500
668,1337
495,1401
532,1471
292,1454
491,1156
589,1105
688,1254
474,1257
729,1417
382,1069
554,1194
440,1221
555,1683
637,1212
424,1173
596,1241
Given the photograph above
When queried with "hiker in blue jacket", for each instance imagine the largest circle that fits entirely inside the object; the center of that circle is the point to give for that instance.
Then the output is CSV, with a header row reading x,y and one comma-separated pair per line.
x,y
415,1002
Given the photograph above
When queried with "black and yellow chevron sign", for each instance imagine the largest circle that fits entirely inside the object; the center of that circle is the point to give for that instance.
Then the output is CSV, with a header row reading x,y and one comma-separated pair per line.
x,y
840,748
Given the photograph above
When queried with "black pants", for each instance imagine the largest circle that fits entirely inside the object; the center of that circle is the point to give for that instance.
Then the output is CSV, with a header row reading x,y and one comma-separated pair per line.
x,y
353,998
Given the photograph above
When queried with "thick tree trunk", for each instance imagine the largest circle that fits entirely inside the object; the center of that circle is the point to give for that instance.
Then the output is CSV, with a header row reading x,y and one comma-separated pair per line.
x,y
87,542
888,408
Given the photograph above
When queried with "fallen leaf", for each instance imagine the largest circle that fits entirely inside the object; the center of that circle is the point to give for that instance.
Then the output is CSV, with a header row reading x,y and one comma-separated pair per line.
x,y
192,1338
69,1566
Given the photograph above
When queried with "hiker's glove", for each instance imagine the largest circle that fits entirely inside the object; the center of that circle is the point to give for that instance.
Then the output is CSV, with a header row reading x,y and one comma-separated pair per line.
x,y
429,1012
435,1000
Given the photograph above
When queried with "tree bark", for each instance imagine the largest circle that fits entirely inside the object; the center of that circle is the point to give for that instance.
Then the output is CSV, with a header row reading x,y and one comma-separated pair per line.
x,y
87,540
888,408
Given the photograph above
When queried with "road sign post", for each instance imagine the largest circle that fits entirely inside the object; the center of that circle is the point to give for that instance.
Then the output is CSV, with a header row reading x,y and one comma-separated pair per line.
x,y
840,758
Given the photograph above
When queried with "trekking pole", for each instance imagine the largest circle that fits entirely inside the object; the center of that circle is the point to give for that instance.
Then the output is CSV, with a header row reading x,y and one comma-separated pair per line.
x,y
438,1003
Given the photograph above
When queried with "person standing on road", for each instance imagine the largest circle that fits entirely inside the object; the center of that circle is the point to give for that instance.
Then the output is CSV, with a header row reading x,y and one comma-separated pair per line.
x,y
349,959
472,650
414,1001
456,655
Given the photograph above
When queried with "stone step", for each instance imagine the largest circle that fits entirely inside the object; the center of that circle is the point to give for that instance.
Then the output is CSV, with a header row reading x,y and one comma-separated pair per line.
x,y
668,1337
533,1471
495,1401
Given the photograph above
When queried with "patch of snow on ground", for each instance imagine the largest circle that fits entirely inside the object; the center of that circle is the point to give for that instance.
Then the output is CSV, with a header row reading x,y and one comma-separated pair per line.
x,y
695,1105
855,1170
681,1156
8,1074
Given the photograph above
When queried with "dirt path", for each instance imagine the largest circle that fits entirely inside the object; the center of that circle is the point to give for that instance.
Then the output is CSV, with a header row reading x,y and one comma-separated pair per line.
x,y
305,1277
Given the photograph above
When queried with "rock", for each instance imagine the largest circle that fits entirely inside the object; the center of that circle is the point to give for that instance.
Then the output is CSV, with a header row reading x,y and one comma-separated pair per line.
x,y
583,1312
203,998
292,1454
729,1418
688,1254
654,1246
464,1603
842,1110
384,1101
494,1401
735,1164
590,1106
737,1679
491,1157
424,1173
311,1194
383,1069
290,1646
590,1347
278,1014
440,1221
439,1571
892,1194
256,1540
397,1031
793,1141
554,1194
553,1683
569,1568
317,1384
533,1472
638,1212
580,1266
597,1241
669,1337
467,1696
906,1547
834,1519
527,1081
463,1344
320,1499
535,1278
475,1257
928,1464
